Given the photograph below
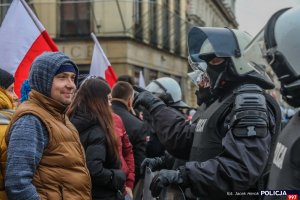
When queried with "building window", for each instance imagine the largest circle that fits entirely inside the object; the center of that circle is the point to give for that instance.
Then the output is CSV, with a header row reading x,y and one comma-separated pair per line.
x,y
177,26
138,19
153,75
3,8
75,19
165,24
83,68
177,79
162,74
153,22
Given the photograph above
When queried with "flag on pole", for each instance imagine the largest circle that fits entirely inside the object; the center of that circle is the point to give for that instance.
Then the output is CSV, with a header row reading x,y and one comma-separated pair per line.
x,y
142,80
100,65
22,39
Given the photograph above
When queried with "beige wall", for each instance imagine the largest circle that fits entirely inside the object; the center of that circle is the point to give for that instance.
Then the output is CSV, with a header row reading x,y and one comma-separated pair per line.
x,y
110,19
47,14
208,12
122,52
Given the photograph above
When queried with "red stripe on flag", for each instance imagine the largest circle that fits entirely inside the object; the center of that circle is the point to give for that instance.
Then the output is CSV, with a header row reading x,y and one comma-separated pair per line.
x,y
110,76
41,44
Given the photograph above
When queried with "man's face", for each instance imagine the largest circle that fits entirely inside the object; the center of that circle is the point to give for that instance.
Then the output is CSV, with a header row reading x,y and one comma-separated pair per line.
x,y
10,91
63,87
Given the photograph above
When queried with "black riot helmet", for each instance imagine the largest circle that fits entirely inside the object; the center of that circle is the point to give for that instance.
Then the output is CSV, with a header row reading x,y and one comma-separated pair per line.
x,y
222,53
282,47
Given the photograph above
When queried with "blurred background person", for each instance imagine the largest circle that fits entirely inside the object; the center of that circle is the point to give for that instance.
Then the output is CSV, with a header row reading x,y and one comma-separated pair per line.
x,y
7,84
126,78
8,100
122,98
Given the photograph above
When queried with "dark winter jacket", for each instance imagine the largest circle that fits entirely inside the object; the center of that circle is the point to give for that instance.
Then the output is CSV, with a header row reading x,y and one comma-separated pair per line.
x,y
137,132
102,168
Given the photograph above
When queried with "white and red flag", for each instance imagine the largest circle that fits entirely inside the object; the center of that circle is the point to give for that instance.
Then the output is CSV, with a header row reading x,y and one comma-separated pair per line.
x,y
22,39
141,80
100,65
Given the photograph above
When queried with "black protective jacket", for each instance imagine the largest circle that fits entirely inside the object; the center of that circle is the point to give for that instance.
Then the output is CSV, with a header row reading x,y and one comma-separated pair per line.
x,y
238,166
285,170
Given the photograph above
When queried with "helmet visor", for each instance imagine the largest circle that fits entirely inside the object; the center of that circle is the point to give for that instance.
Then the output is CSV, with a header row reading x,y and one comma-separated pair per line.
x,y
207,41
255,51
199,78
200,65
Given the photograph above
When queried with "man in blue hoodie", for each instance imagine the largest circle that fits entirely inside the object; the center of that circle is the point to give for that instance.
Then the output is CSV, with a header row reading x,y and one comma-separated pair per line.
x,y
45,159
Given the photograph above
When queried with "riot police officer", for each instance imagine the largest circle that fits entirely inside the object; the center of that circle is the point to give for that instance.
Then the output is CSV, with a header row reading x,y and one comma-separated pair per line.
x,y
229,146
168,90
282,44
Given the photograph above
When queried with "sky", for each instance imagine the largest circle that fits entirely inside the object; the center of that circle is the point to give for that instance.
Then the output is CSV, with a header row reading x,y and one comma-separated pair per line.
x,y
252,15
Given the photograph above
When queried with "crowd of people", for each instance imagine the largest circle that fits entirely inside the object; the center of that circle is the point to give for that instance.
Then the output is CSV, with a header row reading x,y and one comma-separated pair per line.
x,y
71,136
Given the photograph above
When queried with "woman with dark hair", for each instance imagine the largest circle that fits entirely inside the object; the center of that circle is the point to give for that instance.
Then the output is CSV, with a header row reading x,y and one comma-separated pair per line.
x,y
92,116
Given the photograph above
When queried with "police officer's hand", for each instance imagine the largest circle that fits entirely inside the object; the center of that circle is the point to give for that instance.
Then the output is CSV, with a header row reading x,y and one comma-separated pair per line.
x,y
148,100
163,179
153,163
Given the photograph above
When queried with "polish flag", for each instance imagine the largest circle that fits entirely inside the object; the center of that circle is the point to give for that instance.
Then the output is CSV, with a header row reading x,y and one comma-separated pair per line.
x,y
100,65
142,80
22,39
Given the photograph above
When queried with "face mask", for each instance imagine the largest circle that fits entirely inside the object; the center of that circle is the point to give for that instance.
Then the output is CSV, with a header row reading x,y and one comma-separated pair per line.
x,y
214,71
203,95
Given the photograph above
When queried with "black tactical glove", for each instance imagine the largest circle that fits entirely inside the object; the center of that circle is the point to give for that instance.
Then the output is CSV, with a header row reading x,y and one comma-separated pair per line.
x,y
148,100
153,163
118,179
163,179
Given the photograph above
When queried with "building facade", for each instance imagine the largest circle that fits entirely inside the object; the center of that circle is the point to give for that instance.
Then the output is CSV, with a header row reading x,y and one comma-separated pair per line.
x,y
136,35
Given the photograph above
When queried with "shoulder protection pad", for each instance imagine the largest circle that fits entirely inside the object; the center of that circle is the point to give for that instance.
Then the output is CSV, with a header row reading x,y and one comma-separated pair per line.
x,y
249,112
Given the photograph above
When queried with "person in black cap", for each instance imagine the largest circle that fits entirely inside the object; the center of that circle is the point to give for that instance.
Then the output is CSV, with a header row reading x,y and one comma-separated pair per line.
x,y
7,83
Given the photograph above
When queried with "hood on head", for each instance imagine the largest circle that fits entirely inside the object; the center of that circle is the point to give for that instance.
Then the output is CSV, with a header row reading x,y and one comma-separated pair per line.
x,y
43,70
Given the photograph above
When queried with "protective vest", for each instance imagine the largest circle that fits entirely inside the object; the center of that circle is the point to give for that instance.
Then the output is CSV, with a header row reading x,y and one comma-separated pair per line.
x,y
210,130
207,141
62,171
213,123
285,169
